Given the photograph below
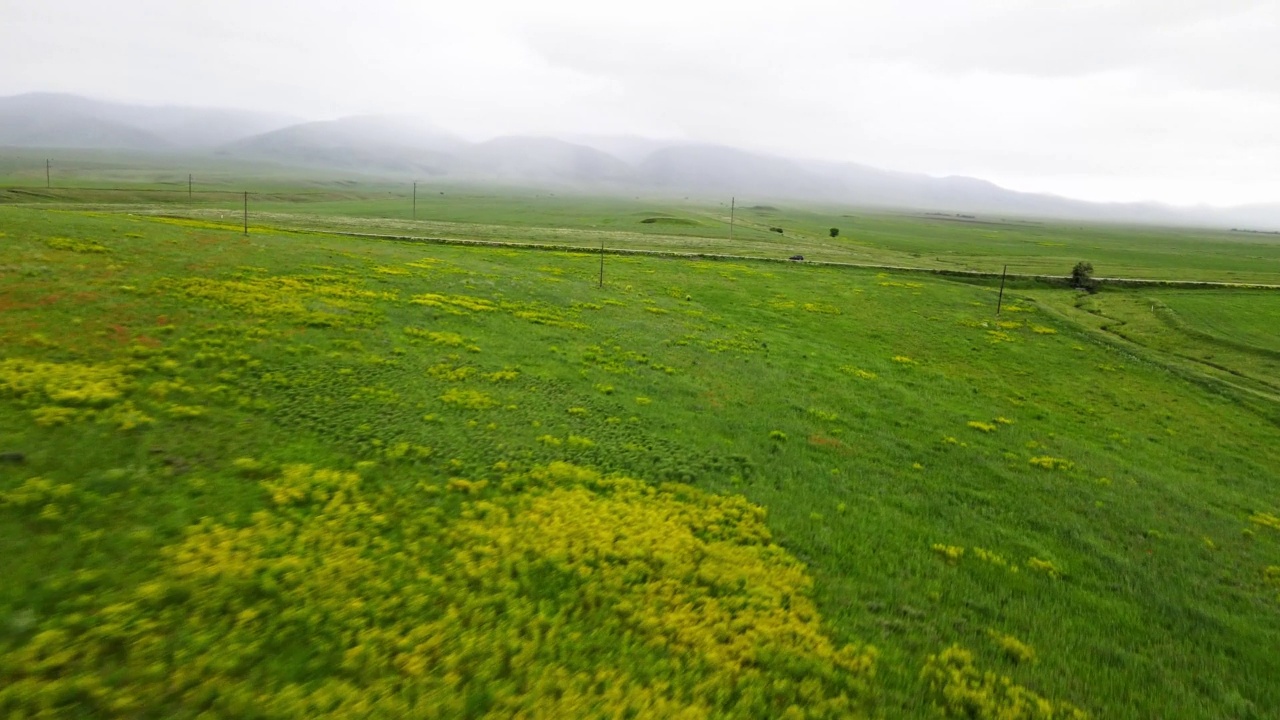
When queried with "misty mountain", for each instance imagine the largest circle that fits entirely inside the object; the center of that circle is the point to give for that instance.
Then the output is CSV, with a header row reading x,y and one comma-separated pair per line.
x,y
542,160
70,121
400,147
363,144
406,148
628,148
63,131
721,171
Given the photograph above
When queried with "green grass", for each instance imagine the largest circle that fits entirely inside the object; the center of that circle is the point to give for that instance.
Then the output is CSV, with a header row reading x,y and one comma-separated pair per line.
x,y
1217,348
284,197
872,415
1249,318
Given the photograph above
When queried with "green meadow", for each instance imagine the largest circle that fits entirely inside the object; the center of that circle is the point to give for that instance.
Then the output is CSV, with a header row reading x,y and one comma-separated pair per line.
x,y
327,200
302,474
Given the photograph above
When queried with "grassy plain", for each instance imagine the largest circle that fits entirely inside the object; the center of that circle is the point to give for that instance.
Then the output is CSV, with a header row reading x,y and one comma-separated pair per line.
x,y
328,200
705,487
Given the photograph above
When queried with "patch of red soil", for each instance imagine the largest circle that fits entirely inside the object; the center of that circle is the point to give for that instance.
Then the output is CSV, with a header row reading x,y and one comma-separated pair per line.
x,y
832,443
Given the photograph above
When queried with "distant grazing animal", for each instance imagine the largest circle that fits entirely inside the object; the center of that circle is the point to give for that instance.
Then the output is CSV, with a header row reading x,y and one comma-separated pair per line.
x,y
797,258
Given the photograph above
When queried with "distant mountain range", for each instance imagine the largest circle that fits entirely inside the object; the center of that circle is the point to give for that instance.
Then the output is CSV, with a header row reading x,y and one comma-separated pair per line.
x,y
402,148
70,121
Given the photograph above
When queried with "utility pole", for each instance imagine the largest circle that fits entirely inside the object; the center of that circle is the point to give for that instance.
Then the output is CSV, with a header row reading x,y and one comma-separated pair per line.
x,y
246,213
1000,299
48,181
415,201
601,263
188,187
732,202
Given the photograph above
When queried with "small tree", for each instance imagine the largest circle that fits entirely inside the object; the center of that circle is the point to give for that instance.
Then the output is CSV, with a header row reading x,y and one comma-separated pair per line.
x,y
835,232
1082,277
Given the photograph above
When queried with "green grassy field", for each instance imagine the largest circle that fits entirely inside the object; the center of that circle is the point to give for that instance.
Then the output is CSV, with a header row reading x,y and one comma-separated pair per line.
x,y
1224,338
328,200
1247,318
296,474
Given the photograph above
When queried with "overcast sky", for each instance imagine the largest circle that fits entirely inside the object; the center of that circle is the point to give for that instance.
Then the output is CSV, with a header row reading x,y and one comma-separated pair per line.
x,y
1174,100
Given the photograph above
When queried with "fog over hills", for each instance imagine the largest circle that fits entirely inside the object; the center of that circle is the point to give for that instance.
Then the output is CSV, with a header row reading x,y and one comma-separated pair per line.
x,y
372,145
543,161
405,148
70,121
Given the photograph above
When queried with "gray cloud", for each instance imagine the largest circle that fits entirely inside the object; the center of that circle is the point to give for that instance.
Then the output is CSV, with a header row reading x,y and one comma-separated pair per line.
x,y
1174,99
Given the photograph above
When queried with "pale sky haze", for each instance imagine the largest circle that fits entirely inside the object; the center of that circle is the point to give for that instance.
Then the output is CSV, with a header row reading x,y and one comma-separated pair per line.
x,y
1170,100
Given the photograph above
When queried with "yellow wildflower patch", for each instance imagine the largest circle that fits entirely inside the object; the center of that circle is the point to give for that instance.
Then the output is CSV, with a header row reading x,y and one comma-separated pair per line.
x,y
63,383
993,558
469,487
320,300
958,689
951,553
540,314
826,415
53,415
77,246
1015,649
1051,463
37,491
469,399
454,303
982,426
1265,520
666,602
450,373
857,372
185,412
1045,566
438,337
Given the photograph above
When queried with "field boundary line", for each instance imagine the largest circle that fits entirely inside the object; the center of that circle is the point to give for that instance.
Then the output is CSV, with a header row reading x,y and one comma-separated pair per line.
x,y
1173,320
1257,400
973,274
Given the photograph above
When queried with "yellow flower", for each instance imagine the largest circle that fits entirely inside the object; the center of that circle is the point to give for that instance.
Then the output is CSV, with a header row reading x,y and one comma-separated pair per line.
x,y
952,553
1014,648
1051,463
1045,566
